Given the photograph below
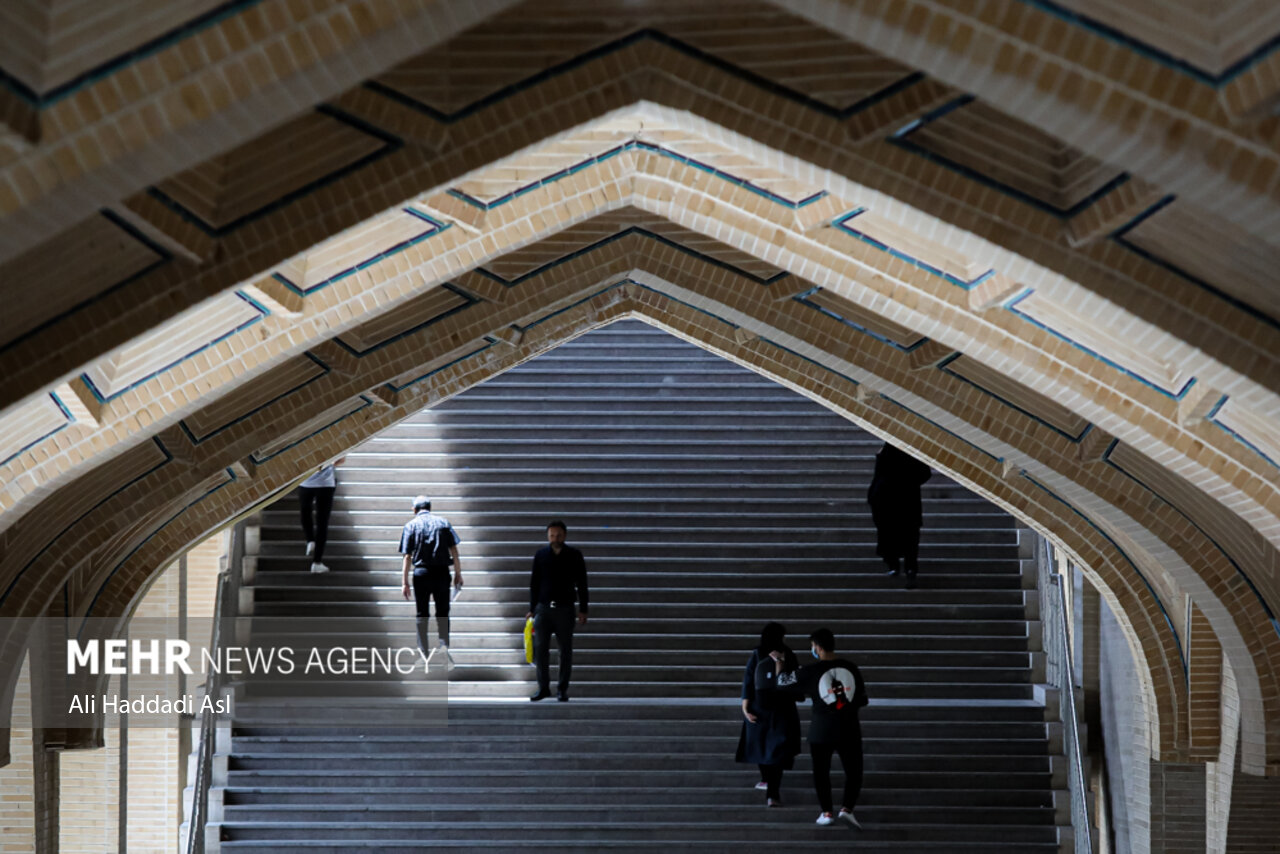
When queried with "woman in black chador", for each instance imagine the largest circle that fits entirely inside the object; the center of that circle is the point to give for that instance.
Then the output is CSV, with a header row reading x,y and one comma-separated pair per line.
x,y
894,497
771,730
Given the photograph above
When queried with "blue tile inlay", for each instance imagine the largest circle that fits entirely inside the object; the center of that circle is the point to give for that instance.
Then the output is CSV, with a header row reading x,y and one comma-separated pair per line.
x,y
40,100
1175,395
66,414
842,223
1212,419
804,300
101,398
635,145
435,227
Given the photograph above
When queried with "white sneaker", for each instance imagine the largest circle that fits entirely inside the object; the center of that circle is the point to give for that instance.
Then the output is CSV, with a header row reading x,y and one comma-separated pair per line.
x,y
319,567
311,547
448,662
825,819
762,786
847,817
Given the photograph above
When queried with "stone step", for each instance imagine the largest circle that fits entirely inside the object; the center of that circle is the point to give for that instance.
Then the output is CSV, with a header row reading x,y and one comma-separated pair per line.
x,y
875,722
869,577
755,612
318,626
501,685
366,537
455,744
773,558
633,711
284,634
642,771
585,656
732,841
640,503
640,417
327,589
836,569
567,492
621,479
540,456
732,430
587,672
629,810
281,521
530,405
1033,805
603,829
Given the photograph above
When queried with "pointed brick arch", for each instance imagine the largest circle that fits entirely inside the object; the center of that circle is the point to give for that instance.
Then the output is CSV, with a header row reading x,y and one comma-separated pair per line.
x,y
865,239
122,576
925,292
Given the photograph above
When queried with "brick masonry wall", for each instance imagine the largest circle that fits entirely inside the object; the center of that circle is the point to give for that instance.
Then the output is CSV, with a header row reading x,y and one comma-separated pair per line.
x,y
1177,808
89,822
152,779
1125,736
90,811
1219,775
1254,827
17,806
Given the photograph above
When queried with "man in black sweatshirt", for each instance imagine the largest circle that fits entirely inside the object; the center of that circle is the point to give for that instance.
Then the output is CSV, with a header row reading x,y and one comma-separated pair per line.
x,y
557,587
836,688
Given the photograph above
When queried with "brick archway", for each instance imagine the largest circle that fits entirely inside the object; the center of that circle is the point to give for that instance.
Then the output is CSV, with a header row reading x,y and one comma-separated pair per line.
x,y
120,577
1114,388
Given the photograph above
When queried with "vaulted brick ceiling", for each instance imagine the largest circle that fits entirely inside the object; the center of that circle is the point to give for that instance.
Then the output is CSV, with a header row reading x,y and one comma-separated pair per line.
x,y
1036,242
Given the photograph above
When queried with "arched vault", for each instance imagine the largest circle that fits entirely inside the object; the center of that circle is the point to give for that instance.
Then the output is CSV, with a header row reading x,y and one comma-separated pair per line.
x,y
1045,321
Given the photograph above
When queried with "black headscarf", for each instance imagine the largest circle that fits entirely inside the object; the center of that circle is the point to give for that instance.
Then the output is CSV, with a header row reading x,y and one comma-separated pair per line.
x,y
772,636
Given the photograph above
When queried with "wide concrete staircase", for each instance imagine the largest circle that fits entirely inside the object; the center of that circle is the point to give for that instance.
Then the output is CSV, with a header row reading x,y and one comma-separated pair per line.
x,y
707,501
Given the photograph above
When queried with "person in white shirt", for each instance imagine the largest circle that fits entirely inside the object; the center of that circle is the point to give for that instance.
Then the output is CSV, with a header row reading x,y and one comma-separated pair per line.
x,y
315,495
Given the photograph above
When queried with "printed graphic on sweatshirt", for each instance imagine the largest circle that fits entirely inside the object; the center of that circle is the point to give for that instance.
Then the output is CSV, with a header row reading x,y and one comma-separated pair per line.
x,y
836,687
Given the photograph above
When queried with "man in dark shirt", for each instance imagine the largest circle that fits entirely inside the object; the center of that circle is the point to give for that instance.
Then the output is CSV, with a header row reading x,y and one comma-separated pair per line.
x,y
558,583
836,688
430,545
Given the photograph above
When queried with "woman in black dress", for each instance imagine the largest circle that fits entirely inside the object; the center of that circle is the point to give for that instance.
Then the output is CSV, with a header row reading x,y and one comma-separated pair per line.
x,y
771,727
894,497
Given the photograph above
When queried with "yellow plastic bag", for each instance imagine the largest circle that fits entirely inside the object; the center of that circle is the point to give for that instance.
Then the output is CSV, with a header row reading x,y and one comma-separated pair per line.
x,y
528,640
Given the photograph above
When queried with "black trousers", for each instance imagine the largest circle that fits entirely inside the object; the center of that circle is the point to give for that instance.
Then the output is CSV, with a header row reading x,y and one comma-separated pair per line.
x,y
911,562
545,621
851,758
428,586
772,776
319,498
